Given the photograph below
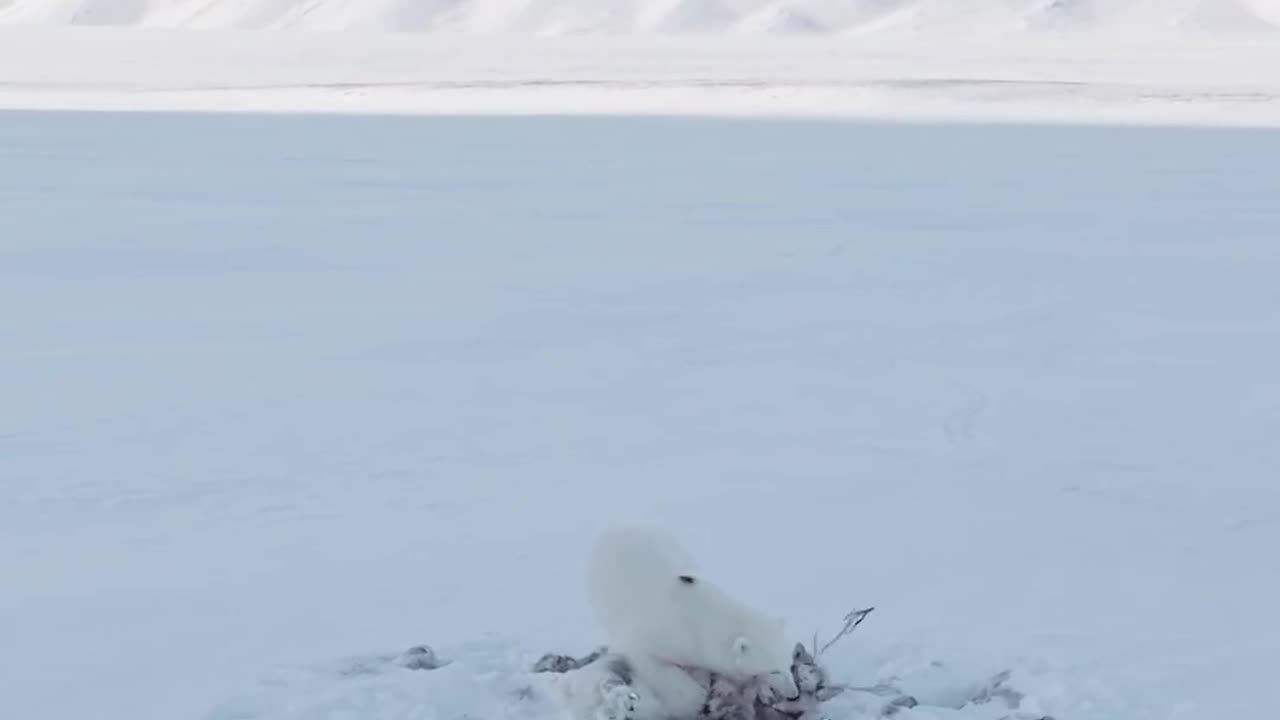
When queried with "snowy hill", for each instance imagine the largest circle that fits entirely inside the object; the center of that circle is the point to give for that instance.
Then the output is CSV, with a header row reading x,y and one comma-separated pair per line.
x,y
559,17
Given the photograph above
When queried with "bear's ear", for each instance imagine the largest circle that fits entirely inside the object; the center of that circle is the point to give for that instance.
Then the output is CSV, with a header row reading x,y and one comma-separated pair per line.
x,y
741,646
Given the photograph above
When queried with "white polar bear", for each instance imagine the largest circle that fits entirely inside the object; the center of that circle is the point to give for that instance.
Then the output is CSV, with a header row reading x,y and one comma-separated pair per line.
x,y
673,624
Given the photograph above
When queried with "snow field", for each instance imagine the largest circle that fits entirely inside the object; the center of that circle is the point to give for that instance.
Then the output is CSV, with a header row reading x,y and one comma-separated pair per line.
x,y
1215,80
282,390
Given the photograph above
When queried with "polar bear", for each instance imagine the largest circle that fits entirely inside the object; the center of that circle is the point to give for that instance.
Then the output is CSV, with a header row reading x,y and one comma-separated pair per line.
x,y
659,612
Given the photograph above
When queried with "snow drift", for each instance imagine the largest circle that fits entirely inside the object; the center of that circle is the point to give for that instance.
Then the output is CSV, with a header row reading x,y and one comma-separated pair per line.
x,y
558,17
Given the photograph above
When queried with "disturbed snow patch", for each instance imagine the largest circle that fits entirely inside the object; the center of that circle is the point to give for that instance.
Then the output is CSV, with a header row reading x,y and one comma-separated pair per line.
x,y
492,680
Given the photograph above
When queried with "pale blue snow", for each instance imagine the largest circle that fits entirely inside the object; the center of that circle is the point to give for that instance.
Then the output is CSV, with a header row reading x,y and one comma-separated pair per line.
x,y
280,391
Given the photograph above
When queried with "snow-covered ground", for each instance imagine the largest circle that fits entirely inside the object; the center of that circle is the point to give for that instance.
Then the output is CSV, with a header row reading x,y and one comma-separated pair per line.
x,y
282,393
967,74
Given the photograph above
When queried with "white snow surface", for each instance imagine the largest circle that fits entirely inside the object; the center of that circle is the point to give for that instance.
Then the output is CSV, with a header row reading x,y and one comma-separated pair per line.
x,y
983,75
280,394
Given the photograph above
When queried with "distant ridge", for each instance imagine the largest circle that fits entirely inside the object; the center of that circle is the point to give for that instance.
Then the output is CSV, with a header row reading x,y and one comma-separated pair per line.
x,y
677,17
